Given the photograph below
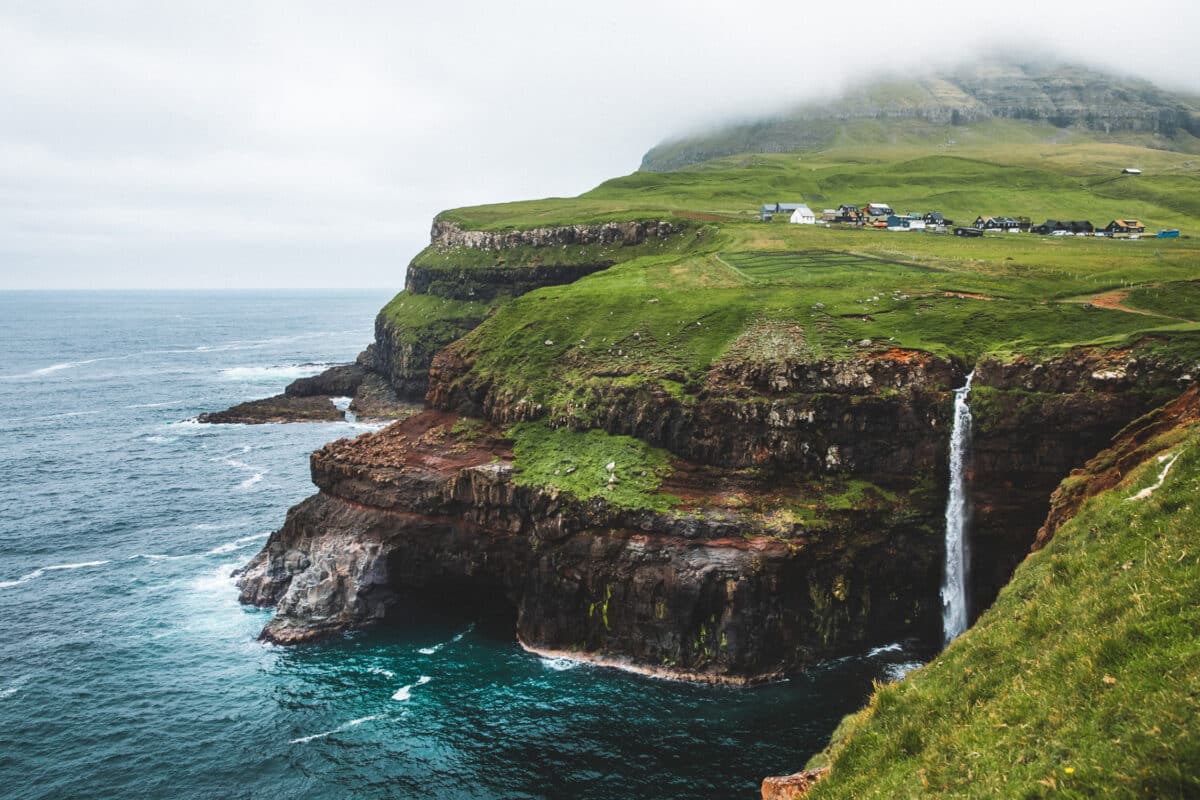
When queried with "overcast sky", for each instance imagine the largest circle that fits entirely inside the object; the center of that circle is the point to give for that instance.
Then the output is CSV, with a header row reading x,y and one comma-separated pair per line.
x,y
264,144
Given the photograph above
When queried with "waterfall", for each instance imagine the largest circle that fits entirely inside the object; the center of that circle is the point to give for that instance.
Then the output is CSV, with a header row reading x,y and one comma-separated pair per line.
x,y
954,584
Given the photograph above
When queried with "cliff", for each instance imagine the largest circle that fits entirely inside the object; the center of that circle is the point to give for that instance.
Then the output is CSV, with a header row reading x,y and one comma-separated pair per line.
x,y
1080,680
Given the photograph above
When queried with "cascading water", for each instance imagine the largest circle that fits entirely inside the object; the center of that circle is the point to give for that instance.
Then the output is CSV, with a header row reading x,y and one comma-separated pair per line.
x,y
954,584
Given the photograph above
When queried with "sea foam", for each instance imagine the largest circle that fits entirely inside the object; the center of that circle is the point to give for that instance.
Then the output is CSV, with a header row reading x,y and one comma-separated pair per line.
x,y
405,692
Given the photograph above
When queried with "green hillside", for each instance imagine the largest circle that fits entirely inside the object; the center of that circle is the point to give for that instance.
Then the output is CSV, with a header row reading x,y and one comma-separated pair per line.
x,y
1082,680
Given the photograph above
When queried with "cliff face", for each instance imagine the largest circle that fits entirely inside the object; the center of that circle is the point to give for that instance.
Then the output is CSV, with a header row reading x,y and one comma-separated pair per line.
x,y
514,263
711,591
720,588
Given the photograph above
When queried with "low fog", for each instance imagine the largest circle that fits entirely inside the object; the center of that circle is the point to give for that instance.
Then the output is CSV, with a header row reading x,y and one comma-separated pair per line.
x,y
267,144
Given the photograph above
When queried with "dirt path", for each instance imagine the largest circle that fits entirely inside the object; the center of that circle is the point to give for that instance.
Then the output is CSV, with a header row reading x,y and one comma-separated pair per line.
x,y
1113,300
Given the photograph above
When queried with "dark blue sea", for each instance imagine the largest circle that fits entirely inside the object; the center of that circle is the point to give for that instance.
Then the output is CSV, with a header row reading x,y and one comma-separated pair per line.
x,y
129,670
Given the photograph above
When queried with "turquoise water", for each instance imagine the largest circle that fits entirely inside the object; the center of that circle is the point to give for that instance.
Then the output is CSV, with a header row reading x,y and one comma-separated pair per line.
x,y
128,668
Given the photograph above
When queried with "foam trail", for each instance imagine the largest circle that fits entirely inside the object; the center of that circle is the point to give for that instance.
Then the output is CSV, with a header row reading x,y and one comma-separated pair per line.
x,y
29,576
405,692
39,572
428,651
387,673
351,724
80,565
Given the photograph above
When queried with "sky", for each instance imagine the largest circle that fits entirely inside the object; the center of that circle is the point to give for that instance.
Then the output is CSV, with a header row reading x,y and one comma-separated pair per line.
x,y
302,144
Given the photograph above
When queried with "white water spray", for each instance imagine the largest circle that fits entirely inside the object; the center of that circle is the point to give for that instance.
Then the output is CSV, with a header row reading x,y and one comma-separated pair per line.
x,y
954,584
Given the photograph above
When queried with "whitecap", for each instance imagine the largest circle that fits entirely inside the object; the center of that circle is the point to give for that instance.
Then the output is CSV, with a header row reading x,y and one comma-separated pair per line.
x,y
351,724
387,673
236,544
274,372
405,692
428,651
37,573
894,647
158,405
29,576
341,403
559,664
253,479
79,565
7,693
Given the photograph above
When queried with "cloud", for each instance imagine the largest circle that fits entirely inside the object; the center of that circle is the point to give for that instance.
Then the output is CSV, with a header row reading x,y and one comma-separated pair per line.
x,y
309,144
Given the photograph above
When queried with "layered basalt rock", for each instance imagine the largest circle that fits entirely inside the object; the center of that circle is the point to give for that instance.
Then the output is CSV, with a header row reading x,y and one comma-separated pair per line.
x,y
878,415
447,235
710,591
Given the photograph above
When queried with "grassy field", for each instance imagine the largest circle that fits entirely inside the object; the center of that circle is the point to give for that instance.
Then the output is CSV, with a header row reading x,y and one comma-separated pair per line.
x,y
1082,680
999,176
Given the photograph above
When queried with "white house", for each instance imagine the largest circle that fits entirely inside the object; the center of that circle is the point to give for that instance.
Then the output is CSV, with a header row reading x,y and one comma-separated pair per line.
x,y
803,215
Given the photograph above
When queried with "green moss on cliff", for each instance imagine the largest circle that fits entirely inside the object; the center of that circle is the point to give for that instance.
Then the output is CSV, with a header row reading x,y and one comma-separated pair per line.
x,y
577,463
1083,680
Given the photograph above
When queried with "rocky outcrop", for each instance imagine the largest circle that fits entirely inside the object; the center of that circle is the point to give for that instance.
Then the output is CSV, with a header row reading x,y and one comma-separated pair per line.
x,y
313,400
790,787
340,381
708,592
280,408
446,235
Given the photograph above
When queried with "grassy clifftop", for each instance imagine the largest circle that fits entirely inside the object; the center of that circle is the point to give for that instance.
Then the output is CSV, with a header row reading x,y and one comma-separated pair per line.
x,y
1082,680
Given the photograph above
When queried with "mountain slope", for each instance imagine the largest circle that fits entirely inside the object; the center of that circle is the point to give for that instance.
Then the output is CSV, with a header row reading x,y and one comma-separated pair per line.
x,y
1051,102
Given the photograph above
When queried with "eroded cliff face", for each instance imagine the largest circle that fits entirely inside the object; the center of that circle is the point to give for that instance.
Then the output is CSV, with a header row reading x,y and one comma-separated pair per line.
x,y
1035,421
709,591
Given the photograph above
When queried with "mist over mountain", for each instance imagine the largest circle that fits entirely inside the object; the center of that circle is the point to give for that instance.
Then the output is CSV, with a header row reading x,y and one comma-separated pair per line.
x,y
1056,99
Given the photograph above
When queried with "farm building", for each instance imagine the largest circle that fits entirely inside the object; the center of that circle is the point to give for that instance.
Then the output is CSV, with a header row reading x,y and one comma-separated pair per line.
x,y
997,223
936,218
847,213
968,232
769,210
1131,171
905,223
878,210
829,215
1125,226
803,216
1169,233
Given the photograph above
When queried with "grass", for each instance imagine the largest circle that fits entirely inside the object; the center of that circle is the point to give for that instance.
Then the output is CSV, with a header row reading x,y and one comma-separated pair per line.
x,y
577,464
996,177
1083,679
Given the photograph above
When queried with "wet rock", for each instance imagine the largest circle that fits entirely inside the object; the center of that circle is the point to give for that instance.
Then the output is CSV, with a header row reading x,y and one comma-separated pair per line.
x,y
340,381
280,408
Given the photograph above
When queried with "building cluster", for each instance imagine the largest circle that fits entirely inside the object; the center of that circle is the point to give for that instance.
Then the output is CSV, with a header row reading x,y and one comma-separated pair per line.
x,y
882,216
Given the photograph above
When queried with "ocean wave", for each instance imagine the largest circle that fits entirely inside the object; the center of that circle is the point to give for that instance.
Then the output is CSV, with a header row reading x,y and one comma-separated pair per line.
x,y
274,372
387,673
351,724
37,573
236,544
559,663
158,405
405,692
458,637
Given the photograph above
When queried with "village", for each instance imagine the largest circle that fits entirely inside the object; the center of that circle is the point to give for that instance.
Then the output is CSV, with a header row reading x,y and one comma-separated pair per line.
x,y
880,216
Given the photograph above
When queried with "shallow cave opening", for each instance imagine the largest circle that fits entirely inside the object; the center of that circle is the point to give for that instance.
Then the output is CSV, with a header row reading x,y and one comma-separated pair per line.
x,y
452,604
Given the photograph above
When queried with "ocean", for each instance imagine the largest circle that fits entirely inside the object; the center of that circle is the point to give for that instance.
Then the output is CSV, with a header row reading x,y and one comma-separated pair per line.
x,y
128,669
